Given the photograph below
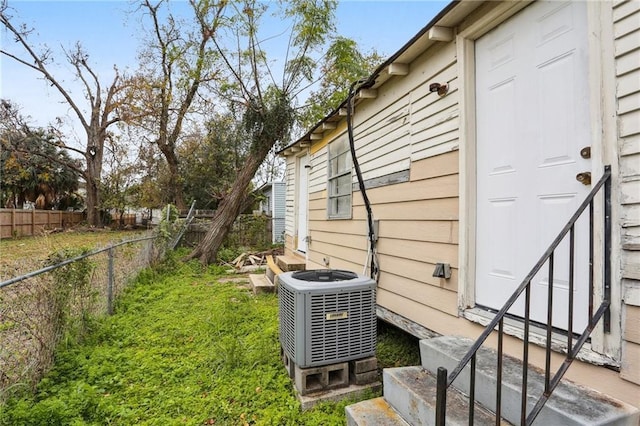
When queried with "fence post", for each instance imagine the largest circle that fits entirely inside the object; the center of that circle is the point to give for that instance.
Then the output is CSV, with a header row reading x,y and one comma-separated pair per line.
x,y
110,283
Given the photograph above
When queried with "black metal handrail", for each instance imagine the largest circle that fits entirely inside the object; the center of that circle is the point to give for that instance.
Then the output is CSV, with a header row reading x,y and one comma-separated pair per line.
x,y
444,381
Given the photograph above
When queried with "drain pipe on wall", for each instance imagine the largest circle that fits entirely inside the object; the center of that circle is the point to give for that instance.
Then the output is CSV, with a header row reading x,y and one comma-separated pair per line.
x,y
372,254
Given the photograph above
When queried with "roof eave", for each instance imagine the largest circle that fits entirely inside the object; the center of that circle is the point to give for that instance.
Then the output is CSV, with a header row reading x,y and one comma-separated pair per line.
x,y
405,55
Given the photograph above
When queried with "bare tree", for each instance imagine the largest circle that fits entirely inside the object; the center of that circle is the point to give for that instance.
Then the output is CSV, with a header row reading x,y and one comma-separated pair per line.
x,y
104,103
175,63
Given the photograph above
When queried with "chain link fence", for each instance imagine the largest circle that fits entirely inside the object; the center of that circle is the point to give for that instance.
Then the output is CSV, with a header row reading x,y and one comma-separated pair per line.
x,y
39,309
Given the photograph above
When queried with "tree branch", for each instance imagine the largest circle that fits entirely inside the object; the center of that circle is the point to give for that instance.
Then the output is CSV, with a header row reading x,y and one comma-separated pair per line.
x,y
51,158
39,66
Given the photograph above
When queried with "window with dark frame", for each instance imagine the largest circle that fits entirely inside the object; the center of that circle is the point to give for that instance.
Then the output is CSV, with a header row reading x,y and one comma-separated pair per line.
x,y
339,180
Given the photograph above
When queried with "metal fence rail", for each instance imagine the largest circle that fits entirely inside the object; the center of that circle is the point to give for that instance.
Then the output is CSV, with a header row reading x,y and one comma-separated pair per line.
x,y
39,308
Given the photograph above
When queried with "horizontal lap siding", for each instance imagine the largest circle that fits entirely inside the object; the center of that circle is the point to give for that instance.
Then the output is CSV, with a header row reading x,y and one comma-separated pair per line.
x,y
435,120
439,209
406,128
290,187
421,271
381,137
279,211
418,228
318,171
419,220
419,251
425,295
423,232
341,242
627,63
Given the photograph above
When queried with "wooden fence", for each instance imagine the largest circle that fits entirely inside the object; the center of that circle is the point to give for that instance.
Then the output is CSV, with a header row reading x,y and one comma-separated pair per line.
x,y
128,219
20,223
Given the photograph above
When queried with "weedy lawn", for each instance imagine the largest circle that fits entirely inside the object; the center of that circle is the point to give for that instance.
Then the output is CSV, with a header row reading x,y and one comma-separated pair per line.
x,y
184,347
22,255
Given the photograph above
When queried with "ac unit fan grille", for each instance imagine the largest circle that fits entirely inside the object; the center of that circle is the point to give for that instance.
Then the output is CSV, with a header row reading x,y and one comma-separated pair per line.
x,y
342,338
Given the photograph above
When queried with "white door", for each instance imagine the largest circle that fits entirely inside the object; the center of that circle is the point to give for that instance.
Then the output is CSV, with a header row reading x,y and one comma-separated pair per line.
x,y
532,121
303,198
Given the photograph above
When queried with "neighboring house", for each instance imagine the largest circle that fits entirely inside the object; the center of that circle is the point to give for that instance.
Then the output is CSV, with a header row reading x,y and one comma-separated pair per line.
x,y
483,177
273,205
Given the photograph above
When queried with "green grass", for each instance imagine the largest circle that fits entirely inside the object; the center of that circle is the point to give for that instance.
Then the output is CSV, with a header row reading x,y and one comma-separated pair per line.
x,y
30,252
183,349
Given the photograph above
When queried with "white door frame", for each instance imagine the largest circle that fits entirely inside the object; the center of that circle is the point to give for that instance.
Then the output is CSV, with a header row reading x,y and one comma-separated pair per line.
x,y
604,151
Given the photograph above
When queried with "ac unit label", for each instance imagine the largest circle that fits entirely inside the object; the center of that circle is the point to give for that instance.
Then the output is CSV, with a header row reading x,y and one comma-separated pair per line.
x,y
337,315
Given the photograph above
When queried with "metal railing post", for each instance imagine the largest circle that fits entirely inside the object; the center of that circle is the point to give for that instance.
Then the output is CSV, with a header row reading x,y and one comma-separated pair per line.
x,y
606,320
441,396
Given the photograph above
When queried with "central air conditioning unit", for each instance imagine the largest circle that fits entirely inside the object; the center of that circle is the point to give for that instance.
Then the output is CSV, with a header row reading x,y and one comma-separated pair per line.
x,y
326,316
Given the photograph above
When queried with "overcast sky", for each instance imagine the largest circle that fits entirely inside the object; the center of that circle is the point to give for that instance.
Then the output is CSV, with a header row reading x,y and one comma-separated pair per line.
x,y
109,34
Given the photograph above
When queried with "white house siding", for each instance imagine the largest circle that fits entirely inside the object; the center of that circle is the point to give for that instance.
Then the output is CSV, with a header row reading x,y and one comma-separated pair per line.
x,y
279,211
626,30
290,196
406,122
381,130
318,171
434,120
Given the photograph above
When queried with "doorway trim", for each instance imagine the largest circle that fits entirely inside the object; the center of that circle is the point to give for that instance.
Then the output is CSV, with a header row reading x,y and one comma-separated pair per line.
x,y
604,348
302,171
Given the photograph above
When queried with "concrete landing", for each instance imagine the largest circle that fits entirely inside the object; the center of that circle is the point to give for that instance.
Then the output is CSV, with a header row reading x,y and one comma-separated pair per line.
x,y
352,391
373,412
569,404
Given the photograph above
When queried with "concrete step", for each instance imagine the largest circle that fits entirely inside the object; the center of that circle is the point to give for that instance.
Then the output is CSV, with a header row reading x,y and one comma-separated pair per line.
x,y
289,263
569,404
373,412
411,391
260,284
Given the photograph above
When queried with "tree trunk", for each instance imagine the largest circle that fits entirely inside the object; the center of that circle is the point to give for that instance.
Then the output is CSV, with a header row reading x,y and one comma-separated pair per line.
x,y
93,214
175,181
93,173
227,212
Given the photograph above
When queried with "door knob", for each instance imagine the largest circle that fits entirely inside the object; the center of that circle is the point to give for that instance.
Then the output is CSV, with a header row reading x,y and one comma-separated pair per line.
x,y
584,178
